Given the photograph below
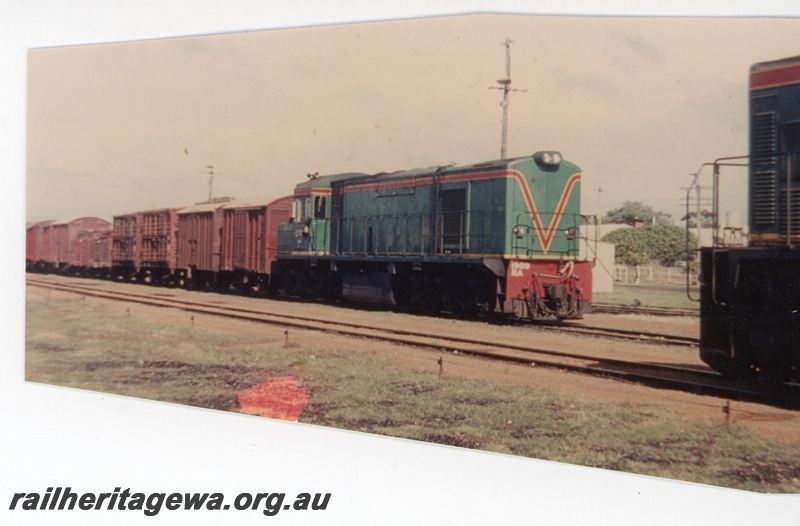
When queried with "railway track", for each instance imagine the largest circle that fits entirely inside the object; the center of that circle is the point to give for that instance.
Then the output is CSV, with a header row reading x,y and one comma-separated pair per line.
x,y
568,327
694,380
623,334
608,308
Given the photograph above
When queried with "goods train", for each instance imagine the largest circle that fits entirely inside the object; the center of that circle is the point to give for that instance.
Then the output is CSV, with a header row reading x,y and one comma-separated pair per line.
x,y
499,238
750,296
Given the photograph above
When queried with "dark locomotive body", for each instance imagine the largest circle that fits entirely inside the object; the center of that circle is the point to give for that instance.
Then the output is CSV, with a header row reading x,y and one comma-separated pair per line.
x,y
750,296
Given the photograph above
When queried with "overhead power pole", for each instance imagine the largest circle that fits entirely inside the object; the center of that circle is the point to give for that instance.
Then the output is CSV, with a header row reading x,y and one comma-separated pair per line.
x,y
505,85
210,179
600,190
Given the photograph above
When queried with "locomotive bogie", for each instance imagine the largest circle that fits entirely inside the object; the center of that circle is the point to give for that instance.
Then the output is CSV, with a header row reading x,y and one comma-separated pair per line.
x,y
442,287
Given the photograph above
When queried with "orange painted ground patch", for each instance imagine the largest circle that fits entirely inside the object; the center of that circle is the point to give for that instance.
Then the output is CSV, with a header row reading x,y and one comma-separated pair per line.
x,y
280,398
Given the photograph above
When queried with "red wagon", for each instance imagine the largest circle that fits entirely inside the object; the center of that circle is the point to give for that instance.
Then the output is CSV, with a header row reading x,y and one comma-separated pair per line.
x,y
199,241
37,241
63,248
145,246
249,242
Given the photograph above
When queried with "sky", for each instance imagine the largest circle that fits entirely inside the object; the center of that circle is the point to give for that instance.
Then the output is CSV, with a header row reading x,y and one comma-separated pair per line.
x,y
638,103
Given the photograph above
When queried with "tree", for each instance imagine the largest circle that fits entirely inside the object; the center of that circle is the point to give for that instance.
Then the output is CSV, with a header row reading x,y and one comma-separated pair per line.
x,y
660,244
631,210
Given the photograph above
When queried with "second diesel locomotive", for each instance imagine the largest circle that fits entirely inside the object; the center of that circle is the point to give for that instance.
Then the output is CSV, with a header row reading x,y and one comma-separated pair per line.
x,y
750,296
497,237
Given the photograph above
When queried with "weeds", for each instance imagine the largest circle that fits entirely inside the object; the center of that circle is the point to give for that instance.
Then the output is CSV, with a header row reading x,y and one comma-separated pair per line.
x,y
90,348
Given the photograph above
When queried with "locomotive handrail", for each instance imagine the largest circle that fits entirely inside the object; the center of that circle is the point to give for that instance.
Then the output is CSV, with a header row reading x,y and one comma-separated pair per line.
x,y
714,208
573,247
395,234
714,279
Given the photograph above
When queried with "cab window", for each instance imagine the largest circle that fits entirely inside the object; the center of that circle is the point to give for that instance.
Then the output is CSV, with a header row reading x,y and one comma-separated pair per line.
x,y
300,209
319,207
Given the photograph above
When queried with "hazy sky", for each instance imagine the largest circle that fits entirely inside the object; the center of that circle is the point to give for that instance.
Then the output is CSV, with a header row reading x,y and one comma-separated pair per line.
x,y
637,103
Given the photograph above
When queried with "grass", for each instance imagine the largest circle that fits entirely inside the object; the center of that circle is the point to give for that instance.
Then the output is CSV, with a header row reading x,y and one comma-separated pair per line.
x,y
78,344
649,295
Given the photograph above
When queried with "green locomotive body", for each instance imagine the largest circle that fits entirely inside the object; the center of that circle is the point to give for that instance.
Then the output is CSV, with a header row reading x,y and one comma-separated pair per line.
x,y
500,236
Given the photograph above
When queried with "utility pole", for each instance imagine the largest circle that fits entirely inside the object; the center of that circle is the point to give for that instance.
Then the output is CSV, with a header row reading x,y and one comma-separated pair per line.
x,y
599,210
505,85
699,218
210,179
700,200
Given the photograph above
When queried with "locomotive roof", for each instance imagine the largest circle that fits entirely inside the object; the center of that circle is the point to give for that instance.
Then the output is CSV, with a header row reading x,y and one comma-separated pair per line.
x,y
324,182
775,63
499,164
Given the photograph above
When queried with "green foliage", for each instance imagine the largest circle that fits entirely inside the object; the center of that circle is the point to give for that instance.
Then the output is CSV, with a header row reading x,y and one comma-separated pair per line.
x,y
661,244
631,210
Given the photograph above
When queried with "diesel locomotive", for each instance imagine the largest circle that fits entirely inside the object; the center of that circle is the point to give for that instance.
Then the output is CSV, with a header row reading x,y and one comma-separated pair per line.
x,y
498,237
750,296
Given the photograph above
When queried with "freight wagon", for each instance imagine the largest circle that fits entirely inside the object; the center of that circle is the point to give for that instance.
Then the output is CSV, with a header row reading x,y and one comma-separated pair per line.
x,y
249,243
37,242
60,245
145,246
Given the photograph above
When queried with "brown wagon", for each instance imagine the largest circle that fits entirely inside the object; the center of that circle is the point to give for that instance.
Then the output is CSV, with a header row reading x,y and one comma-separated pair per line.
x,y
62,251
145,246
249,243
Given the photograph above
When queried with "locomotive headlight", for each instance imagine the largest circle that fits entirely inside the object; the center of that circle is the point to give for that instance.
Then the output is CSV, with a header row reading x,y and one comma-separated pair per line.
x,y
549,159
570,233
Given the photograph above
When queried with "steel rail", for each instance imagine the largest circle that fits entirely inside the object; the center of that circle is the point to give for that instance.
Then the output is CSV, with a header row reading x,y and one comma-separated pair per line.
x,y
607,308
696,381
639,336
606,332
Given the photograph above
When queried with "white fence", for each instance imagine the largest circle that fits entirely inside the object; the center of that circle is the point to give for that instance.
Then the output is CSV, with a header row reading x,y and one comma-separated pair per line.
x,y
650,274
